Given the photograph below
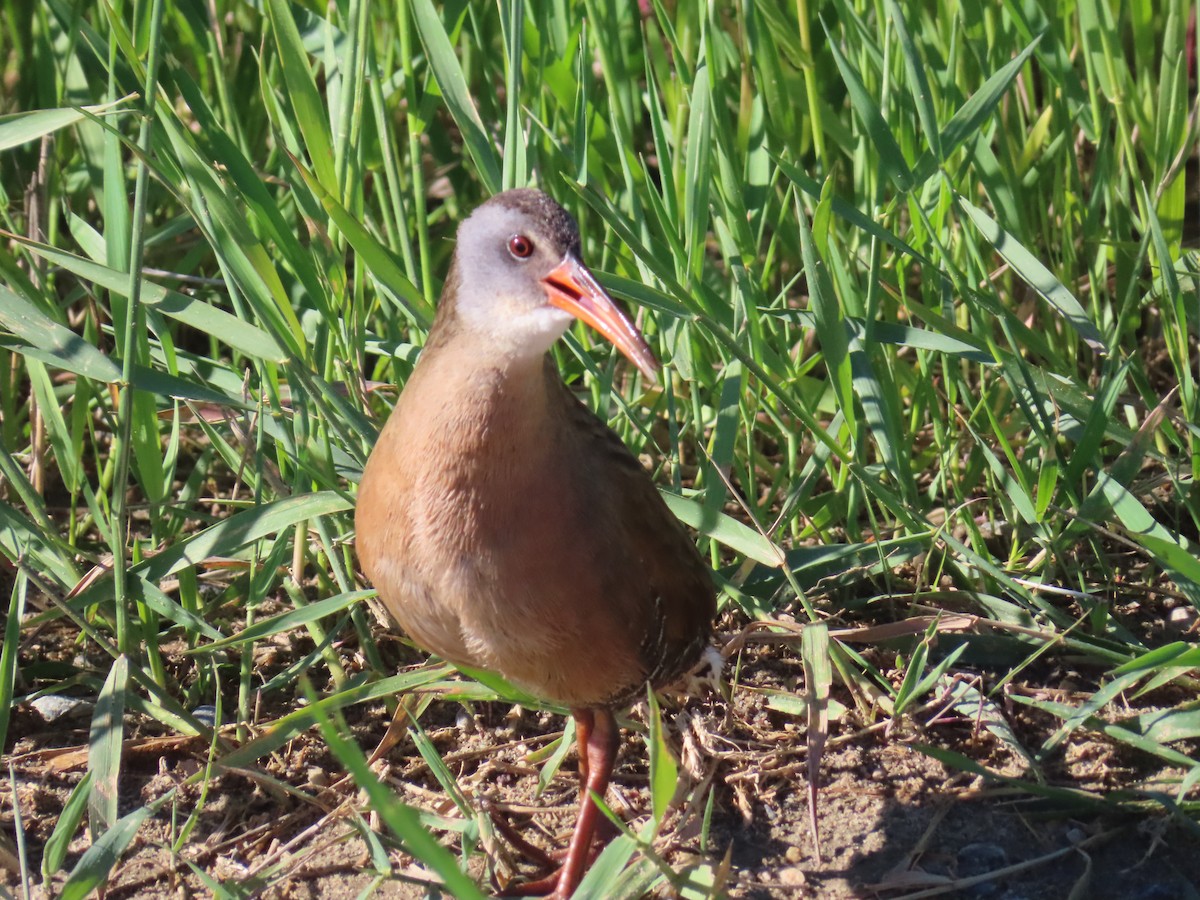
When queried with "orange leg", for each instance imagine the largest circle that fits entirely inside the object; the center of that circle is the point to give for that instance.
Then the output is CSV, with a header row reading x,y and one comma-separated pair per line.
x,y
599,738
584,720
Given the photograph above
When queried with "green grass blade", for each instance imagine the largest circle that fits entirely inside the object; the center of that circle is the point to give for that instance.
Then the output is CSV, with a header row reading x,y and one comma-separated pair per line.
x,y
302,93
379,260
515,165
829,322
1036,275
974,112
697,173
104,749
8,656
54,343
294,618
402,820
918,82
664,773
55,851
453,85
891,157
97,862
21,128
724,530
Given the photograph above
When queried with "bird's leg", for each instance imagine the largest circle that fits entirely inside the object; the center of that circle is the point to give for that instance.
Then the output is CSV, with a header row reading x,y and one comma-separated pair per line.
x,y
598,742
551,861
584,720
596,765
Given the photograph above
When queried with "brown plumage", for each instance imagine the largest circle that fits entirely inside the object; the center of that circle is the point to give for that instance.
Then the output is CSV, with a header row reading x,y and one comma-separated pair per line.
x,y
507,528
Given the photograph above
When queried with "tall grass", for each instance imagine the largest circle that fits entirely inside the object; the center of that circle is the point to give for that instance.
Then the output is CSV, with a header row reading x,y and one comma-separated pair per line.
x,y
918,271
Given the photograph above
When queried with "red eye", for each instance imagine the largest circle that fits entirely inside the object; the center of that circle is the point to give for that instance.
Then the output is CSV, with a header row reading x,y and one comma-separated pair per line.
x,y
520,246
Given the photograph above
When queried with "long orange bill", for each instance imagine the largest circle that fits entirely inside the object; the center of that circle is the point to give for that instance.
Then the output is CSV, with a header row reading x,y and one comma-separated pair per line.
x,y
571,287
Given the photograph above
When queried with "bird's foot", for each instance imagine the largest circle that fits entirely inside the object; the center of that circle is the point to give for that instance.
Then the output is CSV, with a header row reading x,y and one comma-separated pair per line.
x,y
547,861
542,887
543,859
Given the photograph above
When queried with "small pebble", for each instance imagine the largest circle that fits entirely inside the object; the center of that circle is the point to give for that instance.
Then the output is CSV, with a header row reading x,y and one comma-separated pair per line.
x,y
794,854
792,877
206,715
52,707
465,721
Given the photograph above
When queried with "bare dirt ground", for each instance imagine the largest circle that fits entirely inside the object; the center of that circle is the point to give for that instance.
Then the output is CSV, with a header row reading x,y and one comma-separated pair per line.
x,y
893,822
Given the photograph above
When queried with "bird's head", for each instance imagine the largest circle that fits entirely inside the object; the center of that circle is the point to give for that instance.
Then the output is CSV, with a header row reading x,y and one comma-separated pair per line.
x,y
520,280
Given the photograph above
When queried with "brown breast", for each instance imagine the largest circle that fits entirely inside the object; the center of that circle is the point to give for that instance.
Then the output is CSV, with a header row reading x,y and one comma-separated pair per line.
x,y
507,528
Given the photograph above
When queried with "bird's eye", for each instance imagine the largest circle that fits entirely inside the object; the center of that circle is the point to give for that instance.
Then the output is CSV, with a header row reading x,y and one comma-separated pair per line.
x,y
520,246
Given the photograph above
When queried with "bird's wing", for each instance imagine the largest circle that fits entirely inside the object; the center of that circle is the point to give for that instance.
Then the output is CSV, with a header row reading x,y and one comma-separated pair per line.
x,y
666,582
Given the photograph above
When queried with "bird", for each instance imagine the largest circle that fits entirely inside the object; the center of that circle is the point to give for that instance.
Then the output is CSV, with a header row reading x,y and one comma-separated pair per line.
x,y
507,528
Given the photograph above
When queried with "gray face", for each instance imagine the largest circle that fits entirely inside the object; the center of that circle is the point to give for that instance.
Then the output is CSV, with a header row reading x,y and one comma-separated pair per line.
x,y
505,248
520,282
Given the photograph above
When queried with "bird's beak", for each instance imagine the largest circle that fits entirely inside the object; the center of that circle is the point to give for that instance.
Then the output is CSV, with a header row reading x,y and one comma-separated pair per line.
x,y
571,287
